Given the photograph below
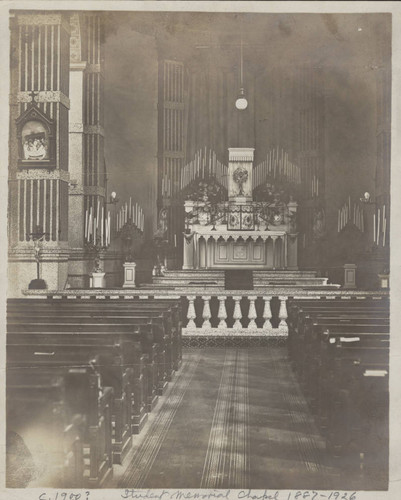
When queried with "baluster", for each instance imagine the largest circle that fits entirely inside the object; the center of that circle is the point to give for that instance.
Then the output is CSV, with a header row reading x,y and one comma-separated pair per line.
x,y
222,314
237,313
206,315
191,314
267,314
283,315
252,313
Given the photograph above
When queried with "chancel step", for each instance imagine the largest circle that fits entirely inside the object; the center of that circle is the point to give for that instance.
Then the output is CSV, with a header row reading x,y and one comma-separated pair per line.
x,y
213,279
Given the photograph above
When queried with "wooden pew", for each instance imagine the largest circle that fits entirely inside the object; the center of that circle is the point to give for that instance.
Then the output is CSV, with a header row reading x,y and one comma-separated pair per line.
x,y
114,368
340,309
87,457
316,365
353,389
163,362
309,336
123,367
365,305
164,315
133,333
329,313
155,325
340,351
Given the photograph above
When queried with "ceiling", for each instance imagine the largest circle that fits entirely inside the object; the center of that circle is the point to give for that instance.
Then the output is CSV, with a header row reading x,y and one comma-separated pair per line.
x,y
286,38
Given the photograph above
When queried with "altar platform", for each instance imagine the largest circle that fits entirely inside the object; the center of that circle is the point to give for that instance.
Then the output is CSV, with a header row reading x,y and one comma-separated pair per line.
x,y
215,279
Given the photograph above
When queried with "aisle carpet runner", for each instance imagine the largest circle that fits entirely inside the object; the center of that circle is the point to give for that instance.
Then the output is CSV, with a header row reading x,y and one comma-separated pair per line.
x,y
232,418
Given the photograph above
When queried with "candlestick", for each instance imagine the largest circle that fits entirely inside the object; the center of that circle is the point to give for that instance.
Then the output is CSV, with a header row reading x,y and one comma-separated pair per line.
x,y
378,226
374,228
90,224
102,227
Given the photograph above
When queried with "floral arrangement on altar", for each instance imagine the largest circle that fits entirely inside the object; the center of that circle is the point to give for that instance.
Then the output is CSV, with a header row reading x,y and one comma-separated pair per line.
x,y
240,176
207,191
275,193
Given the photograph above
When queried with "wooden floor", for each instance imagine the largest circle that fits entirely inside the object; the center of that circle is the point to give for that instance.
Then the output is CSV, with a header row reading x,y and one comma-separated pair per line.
x,y
232,418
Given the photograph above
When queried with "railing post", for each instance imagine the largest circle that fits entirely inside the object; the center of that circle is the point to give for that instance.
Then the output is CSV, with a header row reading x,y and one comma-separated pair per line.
x,y
237,315
252,313
206,315
267,314
191,314
222,313
283,315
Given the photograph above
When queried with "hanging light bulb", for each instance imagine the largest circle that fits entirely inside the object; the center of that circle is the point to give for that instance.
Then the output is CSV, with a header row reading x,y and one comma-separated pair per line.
x,y
241,103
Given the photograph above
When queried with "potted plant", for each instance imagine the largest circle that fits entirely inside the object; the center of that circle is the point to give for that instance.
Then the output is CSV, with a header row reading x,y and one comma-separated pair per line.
x,y
96,277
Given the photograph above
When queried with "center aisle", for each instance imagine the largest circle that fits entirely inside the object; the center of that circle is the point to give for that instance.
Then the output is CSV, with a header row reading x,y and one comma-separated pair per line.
x,y
232,418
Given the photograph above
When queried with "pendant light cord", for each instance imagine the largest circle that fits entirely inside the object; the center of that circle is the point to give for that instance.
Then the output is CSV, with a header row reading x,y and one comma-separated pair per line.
x,y
241,70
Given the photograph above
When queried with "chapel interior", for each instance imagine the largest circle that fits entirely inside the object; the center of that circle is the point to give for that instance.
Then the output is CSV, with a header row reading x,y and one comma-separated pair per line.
x,y
198,250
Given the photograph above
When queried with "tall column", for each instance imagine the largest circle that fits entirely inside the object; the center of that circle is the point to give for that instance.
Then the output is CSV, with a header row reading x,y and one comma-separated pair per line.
x,y
39,107
311,159
77,146
171,141
86,137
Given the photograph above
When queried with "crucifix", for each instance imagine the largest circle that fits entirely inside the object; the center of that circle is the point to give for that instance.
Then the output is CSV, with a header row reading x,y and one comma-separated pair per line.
x,y
37,236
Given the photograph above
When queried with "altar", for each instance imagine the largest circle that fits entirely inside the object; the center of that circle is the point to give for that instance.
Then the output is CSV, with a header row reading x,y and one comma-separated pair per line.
x,y
240,232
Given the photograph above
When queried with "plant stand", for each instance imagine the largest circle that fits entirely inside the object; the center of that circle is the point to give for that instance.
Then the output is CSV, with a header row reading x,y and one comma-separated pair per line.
x,y
384,280
96,280
349,276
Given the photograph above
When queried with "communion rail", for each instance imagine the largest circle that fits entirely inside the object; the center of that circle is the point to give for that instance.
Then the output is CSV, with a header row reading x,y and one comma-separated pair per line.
x,y
234,314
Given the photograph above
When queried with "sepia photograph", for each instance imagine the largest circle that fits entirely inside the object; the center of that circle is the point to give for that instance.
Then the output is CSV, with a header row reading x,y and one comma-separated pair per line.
x,y
198,250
